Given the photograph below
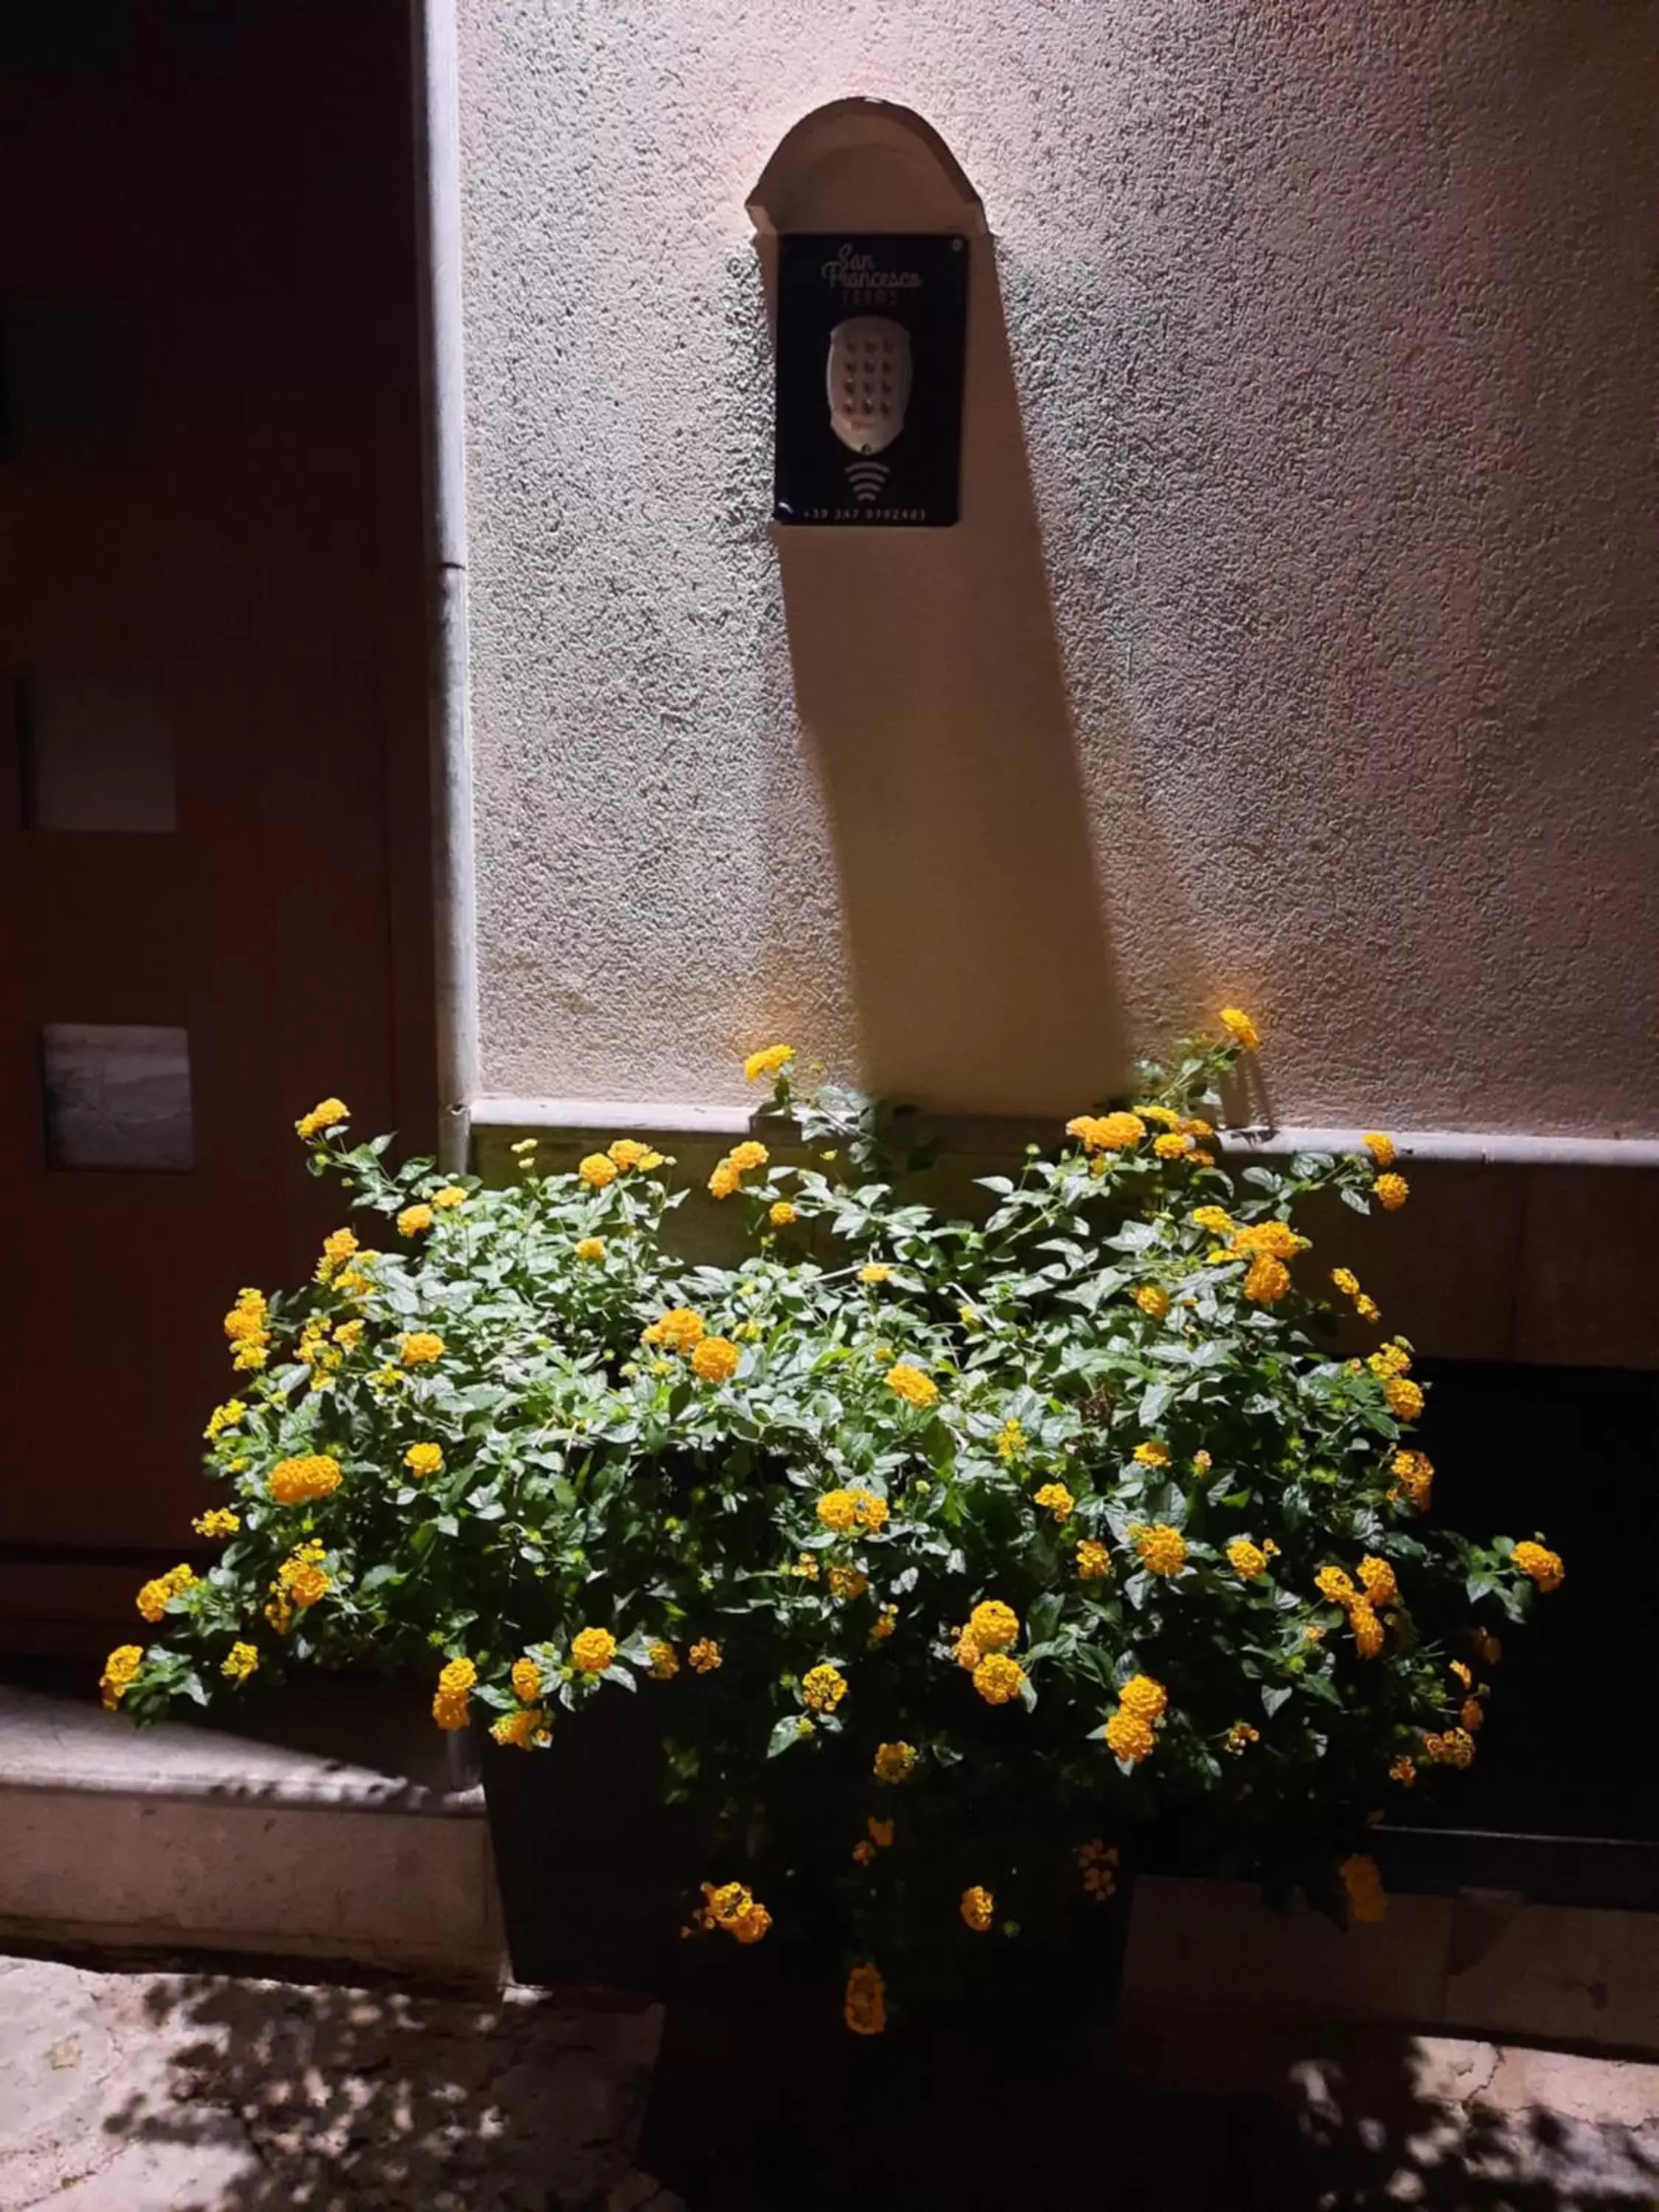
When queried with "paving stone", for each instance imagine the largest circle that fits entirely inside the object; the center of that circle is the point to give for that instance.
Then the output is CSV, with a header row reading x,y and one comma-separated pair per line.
x,y
195,2092
199,2093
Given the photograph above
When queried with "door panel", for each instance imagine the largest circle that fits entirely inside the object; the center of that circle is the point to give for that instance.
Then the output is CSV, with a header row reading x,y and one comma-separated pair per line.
x,y
235,540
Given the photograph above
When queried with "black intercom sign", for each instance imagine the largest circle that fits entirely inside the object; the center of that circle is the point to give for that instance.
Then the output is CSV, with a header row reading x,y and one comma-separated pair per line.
x,y
871,340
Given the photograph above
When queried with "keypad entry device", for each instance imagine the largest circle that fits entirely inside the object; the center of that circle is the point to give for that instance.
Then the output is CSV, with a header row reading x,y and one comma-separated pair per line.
x,y
868,377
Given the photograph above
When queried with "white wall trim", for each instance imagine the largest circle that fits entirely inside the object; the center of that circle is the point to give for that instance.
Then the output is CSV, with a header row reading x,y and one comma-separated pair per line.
x,y
1477,1148
673,1117
443,412
660,1118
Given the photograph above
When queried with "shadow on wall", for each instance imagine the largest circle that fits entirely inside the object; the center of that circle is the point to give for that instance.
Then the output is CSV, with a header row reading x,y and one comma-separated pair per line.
x,y
933,702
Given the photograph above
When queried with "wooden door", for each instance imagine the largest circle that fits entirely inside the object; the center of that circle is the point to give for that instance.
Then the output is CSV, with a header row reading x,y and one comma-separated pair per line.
x,y
213,782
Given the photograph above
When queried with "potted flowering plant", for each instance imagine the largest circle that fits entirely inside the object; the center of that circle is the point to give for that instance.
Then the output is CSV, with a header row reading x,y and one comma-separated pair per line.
x,y
932,1560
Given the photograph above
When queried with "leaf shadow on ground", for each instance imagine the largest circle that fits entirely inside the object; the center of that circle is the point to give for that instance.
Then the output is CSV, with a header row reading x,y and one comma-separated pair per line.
x,y
341,2100
277,2096
1211,2118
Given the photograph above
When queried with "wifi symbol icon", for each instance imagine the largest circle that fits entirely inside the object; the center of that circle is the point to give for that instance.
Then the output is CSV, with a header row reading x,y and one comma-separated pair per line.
x,y
867,479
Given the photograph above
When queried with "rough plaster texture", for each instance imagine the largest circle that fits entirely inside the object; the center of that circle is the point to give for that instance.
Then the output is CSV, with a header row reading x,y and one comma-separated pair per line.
x,y
1306,667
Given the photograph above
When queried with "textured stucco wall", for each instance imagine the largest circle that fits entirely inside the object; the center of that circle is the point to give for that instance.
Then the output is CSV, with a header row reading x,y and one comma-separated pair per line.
x,y
1328,333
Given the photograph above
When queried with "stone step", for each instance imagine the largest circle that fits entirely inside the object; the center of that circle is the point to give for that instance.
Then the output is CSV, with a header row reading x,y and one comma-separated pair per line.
x,y
328,1825
334,1825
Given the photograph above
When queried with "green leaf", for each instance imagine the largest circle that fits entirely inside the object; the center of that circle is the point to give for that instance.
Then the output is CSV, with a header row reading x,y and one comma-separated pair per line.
x,y
785,1735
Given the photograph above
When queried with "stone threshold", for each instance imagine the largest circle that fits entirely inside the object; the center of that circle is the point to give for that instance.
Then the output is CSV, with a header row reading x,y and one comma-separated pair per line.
x,y
330,1826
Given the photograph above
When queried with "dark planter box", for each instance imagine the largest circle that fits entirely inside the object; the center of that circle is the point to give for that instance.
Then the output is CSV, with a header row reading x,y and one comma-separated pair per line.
x,y
762,2098
590,1862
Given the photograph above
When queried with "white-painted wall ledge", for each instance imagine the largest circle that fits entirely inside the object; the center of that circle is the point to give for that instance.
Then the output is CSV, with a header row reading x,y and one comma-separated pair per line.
x,y
672,1117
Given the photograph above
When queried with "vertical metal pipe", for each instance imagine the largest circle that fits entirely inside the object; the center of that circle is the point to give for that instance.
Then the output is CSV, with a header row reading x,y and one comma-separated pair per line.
x,y
438,196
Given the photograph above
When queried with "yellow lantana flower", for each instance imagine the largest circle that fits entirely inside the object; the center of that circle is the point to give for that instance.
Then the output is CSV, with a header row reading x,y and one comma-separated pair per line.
x,y
302,1579
998,1679
837,1509
823,1688
1146,1699
1241,1029
678,1330
864,2008
1541,1565
597,1171
1106,1133
296,1482
413,1220
978,1909
1414,1473
1367,1900
772,1060
1129,1737
1405,1398
909,1384
525,1730
704,1656
592,1650
1377,1579
716,1359
628,1154
1163,1550
1455,1747
240,1661
120,1672
328,1114
993,1625
1391,1192
1266,1280
155,1596
224,1417
450,1702
1367,1627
